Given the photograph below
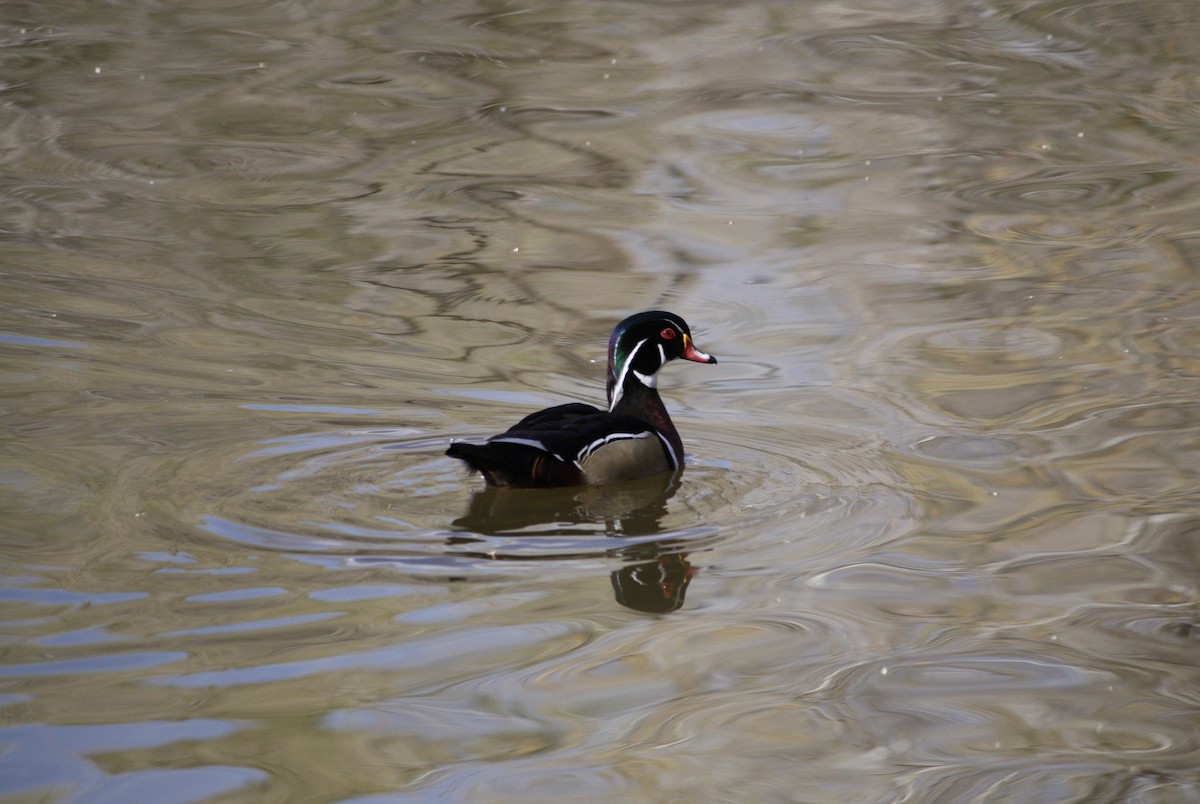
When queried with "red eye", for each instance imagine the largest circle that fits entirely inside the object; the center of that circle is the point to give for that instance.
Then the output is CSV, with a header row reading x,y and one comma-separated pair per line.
x,y
667,334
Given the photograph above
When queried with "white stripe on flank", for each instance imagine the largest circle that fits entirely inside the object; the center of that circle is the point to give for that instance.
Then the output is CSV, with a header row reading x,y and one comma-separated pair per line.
x,y
526,442
600,442
670,450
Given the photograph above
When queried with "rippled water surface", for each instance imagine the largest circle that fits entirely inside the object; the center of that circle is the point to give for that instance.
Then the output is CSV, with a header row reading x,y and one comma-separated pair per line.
x,y
939,535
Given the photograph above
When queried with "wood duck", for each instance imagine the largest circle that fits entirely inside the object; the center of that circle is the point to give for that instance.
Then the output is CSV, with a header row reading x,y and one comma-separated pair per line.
x,y
577,444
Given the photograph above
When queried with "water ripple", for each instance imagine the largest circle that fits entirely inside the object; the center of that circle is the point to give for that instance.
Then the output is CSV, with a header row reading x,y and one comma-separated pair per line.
x,y
457,645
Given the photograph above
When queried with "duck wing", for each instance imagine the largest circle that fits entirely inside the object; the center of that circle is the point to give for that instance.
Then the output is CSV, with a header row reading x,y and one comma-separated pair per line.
x,y
569,445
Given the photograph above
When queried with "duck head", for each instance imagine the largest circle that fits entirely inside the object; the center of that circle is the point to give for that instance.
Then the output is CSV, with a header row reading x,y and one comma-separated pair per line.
x,y
641,345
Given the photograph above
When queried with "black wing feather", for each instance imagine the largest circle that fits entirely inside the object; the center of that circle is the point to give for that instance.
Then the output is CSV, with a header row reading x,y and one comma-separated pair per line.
x,y
556,436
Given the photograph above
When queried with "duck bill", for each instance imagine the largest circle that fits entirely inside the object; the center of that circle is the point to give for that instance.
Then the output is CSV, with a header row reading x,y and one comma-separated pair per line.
x,y
690,352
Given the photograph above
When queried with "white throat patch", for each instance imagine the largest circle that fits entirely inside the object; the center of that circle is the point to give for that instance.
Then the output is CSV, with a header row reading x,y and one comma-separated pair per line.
x,y
649,382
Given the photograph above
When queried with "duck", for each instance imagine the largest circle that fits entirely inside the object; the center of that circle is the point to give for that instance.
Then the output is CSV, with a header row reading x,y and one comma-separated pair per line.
x,y
577,444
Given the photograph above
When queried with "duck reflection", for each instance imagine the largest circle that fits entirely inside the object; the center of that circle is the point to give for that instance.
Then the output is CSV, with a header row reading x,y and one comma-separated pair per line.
x,y
655,583
635,508
655,586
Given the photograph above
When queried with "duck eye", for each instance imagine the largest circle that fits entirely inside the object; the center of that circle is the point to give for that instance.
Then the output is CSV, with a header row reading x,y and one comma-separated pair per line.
x,y
667,334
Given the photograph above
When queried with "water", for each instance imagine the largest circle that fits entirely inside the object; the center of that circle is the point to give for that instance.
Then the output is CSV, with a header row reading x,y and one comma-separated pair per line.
x,y
937,539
